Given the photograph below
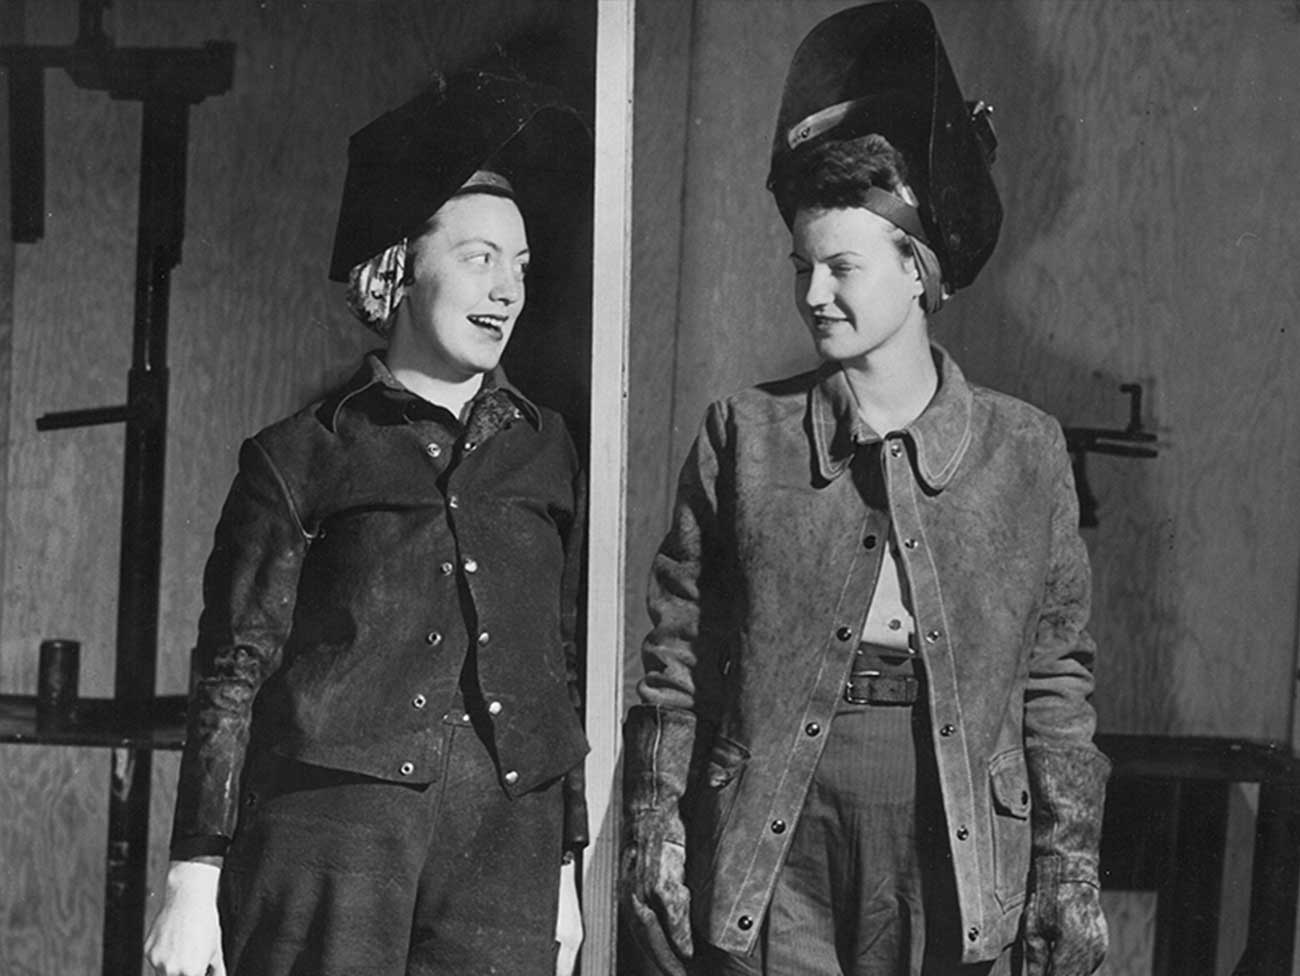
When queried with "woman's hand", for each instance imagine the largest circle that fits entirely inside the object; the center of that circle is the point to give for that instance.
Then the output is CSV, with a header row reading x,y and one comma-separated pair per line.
x,y
568,923
185,938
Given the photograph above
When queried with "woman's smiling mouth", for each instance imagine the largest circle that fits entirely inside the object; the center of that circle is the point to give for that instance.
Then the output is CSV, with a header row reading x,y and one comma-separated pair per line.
x,y
494,324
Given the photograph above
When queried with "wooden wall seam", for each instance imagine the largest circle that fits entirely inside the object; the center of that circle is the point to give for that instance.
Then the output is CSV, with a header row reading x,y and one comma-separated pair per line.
x,y
679,319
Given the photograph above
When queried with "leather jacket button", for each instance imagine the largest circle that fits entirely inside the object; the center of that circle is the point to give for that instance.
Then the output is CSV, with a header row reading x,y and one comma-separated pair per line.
x,y
962,833
495,708
433,638
447,569
483,638
933,635
453,501
778,826
948,730
433,450
972,933
471,565
909,543
895,448
419,701
844,633
813,729
469,446
512,777
745,923
407,768
869,542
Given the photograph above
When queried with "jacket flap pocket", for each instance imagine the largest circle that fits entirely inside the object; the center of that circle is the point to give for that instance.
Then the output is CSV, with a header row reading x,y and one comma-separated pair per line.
x,y
1010,784
726,759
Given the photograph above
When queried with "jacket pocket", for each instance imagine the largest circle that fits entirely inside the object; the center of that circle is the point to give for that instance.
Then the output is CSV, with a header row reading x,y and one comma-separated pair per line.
x,y
718,785
1009,789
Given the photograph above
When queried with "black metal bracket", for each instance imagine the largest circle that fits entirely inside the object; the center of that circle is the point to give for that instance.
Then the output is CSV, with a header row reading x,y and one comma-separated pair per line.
x,y
1133,441
180,76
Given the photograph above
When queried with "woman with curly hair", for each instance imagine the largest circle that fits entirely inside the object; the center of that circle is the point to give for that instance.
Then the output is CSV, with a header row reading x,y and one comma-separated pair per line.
x,y
864,738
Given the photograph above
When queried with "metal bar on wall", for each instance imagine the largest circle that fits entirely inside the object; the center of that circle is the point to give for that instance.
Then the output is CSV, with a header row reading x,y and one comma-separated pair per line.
x,y
607,547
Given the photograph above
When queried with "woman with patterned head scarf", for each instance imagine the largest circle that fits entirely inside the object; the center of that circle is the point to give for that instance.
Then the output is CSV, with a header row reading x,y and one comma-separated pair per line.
x,y
382,772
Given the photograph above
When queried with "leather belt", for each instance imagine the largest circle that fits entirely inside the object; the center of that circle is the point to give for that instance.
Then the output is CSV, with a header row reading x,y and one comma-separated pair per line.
x,y
874,688
882,676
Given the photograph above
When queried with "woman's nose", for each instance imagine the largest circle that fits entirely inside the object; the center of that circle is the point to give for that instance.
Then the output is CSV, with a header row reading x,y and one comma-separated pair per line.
x,y
818,291
508,286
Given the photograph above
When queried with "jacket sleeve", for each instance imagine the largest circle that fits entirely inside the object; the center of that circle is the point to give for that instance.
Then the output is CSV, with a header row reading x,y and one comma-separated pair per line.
x,y
249,589
1058,697
686,652
577,834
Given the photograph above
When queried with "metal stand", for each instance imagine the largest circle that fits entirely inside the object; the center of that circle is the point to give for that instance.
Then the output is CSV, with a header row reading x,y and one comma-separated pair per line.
x,y
166,82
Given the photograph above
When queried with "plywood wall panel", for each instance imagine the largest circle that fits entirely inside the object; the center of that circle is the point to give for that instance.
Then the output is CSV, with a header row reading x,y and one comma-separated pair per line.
x,y
52,851
11,16
1148,268
662,124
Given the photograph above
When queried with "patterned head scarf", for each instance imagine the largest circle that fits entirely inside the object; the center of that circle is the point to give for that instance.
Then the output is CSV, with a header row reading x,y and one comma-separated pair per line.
x,y
377,286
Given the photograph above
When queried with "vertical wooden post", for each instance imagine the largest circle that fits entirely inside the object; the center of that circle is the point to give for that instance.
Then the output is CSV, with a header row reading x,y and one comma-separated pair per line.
x,y
606,551
11,27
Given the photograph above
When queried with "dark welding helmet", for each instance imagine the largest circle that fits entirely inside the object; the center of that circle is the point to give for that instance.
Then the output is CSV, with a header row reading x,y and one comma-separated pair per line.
x,y
407,163
881,68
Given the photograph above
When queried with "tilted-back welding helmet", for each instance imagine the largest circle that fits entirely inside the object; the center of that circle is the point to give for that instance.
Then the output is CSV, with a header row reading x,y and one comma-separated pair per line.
x,y
881,68
408,162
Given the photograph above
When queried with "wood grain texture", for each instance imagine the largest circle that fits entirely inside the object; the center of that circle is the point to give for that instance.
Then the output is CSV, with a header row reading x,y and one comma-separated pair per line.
x,y
1129,261
52,850
661,129
11,27
255,331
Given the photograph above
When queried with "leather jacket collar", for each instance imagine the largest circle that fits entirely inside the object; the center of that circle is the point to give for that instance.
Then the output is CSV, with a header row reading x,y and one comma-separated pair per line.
x,y
939,436
373,388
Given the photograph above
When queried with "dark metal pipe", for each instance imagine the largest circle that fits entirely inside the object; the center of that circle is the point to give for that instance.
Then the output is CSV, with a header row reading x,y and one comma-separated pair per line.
x,y
161,224
90,417
128,844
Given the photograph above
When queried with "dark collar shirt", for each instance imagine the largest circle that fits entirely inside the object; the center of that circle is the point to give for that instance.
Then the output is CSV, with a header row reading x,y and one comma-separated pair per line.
x,y
377,567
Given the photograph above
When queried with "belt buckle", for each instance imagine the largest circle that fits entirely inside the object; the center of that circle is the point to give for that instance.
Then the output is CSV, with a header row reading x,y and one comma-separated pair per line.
x,y
874,688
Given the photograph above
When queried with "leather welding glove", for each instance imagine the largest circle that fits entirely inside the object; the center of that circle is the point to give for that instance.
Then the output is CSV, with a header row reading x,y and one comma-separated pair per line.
x,y
657,747
1064,928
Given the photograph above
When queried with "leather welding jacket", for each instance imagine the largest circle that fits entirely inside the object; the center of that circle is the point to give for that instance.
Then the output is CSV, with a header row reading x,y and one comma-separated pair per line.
x,y
370,545
757,597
